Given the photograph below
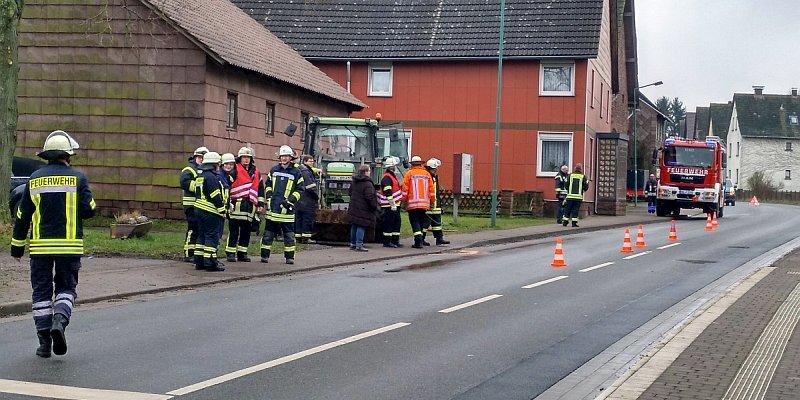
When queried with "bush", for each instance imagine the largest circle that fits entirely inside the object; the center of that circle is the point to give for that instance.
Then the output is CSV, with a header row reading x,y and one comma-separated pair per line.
x,y
761,185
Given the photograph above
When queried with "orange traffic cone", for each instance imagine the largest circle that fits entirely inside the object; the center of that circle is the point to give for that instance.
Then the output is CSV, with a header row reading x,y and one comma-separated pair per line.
x,y
714,223
626,244
708,222
754,201
640,238
673,235
558,258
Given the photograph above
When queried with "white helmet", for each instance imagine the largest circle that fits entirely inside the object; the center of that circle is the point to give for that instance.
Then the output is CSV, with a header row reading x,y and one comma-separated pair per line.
x,y
285,150
211,158
58,142
201,150
433,163
245,151
390,162
227,158
416,159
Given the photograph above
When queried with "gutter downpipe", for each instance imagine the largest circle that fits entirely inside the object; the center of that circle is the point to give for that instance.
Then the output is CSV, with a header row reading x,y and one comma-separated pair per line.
x,y
348,77
497,113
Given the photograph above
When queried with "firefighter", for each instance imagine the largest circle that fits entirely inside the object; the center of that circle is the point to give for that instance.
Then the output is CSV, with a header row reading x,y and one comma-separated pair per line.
x,y
226,177
418,191
210,207
187,181
56,201
282,192
577,183
434,215
561,192
389,198
309,200
650,189
245,194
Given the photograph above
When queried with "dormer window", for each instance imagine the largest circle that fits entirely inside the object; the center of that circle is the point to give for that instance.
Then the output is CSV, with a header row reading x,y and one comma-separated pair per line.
x,y
788,146
793,120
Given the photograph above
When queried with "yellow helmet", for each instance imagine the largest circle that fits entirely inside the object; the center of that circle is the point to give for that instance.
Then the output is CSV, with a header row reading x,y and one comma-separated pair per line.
x,y
228,158
58,142
211,158
246,151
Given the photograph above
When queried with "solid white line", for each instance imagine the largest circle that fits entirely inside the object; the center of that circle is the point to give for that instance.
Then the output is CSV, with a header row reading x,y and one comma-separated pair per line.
x,y
668,246
471,303
71,392
283,360
636,255
533,285
605,264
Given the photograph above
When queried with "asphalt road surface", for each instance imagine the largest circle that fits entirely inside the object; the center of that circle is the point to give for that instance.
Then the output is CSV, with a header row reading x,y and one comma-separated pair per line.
x,y
500,324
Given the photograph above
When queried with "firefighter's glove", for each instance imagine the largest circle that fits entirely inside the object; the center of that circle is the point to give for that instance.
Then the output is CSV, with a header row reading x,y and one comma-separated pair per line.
x,y
564,202
288,205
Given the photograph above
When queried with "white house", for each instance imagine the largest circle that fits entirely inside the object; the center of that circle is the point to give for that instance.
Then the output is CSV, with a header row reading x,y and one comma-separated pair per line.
x,y
764,135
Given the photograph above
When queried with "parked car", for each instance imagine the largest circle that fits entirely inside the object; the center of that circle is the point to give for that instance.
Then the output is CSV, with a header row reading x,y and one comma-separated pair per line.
x,y
730,193
21,170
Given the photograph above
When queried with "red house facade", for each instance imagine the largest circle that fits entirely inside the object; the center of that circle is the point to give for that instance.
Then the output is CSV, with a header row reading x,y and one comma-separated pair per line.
x,y
433,68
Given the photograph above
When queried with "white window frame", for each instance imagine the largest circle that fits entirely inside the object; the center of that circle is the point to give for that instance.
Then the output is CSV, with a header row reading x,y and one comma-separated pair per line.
x,y
382,67
548,137
793,120
544,65
787,175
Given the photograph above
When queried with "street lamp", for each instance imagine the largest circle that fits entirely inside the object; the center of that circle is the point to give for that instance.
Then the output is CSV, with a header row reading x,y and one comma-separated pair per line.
x,y
635,144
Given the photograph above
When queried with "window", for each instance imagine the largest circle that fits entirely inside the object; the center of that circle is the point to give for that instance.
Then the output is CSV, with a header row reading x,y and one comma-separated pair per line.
x,y
737,149
232,112
602,93
557,79
380,80
787,175
591,92
793,119
608,105
788,146
554,150
303,125
269,125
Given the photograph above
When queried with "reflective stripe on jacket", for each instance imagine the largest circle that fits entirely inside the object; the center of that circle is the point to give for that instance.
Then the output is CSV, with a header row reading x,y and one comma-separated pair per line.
x,y
436,205
390,190
210,195
418,189
55,202
282,184
187,182
576,185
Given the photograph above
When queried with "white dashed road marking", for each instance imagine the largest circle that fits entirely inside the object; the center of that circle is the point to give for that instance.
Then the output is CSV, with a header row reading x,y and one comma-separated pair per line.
x,y
533,285
668,246
636,255
72,393
605,264
471,303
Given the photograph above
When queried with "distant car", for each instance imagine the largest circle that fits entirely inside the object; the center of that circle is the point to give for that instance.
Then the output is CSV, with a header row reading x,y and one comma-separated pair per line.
x,y
730,193
21,170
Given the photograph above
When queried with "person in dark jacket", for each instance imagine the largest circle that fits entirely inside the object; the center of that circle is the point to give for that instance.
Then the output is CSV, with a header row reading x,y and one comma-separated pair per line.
x,y
187,181
561,192
210,202
56,201
650,189
309,199
576,185
363,208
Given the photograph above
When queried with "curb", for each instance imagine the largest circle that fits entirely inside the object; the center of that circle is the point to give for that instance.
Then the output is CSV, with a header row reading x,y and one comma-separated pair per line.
x,y
24,307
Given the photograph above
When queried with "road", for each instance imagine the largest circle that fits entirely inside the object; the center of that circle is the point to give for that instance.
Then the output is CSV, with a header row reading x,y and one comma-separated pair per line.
x,y
498,324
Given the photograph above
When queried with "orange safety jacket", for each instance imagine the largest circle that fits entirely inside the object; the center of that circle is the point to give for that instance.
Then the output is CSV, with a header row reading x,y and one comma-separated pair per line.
x,y
246,186
390,190
418,189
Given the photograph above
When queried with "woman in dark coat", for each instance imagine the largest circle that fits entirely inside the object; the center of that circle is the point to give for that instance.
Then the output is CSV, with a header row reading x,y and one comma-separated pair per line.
x,y
363,208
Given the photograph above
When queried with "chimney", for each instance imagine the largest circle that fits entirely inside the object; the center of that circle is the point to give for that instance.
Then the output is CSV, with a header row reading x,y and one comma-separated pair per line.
x,y
758,90
794,91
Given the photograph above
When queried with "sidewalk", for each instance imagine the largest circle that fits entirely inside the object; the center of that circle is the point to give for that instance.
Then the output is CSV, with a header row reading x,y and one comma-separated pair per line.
x,y
700,361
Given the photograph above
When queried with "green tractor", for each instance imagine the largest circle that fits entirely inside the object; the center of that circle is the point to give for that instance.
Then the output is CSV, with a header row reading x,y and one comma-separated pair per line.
x,y
339,146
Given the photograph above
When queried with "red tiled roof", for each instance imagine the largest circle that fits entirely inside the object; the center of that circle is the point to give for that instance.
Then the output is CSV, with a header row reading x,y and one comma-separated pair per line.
x,y
233,36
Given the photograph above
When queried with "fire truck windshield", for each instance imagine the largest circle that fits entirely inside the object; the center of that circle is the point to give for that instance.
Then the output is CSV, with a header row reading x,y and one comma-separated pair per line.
x,y
689,156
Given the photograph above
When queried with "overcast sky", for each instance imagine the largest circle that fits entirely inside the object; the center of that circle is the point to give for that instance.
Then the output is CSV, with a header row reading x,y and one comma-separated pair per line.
x,y
706,50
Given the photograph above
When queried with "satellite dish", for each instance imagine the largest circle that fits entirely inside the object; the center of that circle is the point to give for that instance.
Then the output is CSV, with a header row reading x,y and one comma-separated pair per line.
x,y
290,129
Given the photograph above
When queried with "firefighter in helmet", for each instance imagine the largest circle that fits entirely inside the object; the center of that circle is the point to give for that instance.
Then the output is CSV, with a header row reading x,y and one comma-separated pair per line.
x,y
282,192
246,192
389,197
56,201
561,192
187,180
434,215
418,192
577,184
210,205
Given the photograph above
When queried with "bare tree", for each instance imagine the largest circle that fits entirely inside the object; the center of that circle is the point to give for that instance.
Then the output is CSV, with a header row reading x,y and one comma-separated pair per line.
x,y
10,14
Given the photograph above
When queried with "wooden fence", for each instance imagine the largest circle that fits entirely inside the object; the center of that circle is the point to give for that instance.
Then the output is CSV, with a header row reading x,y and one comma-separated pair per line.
x,y
509,203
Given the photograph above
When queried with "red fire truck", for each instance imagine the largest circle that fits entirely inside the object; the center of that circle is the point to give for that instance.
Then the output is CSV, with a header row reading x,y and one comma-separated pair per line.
x,y
691,175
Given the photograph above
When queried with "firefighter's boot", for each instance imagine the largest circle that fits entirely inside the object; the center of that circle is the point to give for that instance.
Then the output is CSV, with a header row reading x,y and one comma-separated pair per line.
x,y
45,343
265,255
230,257
57,333
198,262
242,256
425,242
